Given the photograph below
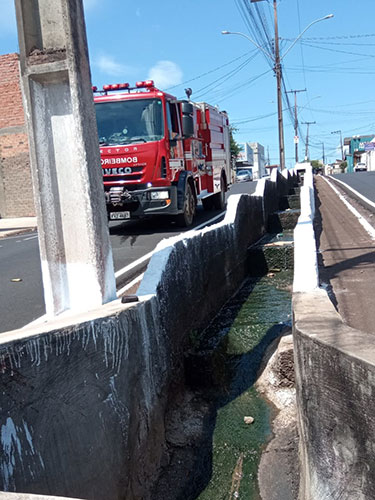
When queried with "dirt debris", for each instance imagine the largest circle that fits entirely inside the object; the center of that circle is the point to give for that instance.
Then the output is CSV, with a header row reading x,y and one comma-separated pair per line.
x,y
278,474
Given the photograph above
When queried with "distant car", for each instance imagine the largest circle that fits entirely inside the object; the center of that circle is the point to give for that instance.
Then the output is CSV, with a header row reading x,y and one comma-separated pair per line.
x,y
360,167
244,175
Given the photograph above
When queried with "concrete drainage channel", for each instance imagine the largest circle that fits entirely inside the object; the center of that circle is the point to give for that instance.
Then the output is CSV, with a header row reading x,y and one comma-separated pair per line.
x,y
226,434
118,387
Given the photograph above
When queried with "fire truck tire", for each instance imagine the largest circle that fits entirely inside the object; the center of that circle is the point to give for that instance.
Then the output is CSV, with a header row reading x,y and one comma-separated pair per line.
x,y
186,218
218,199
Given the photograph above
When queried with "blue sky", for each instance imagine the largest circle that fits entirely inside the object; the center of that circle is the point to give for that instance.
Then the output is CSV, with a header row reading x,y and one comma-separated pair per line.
x,y
180,45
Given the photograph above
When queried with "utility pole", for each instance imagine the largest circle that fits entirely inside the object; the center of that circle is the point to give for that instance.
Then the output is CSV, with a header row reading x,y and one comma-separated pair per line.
x,y
324,157
307,138
341,146
296,138
278,72
276,59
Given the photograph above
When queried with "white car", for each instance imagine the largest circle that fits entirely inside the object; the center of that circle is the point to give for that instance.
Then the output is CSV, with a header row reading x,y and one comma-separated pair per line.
x,y
360,167
244,175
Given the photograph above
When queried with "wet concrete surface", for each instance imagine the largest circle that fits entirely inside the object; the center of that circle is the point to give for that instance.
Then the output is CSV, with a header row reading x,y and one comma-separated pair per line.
x,y
213,454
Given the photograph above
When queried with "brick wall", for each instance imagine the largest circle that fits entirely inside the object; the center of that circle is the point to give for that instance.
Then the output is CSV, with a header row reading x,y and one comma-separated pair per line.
x,y
16,196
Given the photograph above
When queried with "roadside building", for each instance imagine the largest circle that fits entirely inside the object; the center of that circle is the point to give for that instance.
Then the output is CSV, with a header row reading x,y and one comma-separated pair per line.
x,y
252,158
259,169
334,168
357,152
16,196
245,159
370,155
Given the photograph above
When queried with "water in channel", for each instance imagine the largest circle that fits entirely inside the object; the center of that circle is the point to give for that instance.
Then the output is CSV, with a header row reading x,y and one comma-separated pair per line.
x,y
227,358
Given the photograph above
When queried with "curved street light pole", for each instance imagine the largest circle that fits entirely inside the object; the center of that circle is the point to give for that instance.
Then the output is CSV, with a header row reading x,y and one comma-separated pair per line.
x,y
329,16
278,70
268,54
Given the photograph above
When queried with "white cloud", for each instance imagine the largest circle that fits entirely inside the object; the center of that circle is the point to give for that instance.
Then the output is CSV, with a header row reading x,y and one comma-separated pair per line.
x,y
165,74
90,4
107,64
8,17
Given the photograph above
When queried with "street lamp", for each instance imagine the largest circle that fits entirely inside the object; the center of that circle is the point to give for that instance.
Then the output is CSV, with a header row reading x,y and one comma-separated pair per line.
x,y
329,16
268,54
276,60
342,149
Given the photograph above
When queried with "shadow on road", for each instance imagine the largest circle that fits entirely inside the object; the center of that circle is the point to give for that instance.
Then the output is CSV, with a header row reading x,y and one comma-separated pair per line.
x,y
158,225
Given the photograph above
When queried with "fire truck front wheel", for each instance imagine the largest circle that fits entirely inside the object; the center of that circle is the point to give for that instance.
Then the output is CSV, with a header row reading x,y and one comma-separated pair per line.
x,y
185,219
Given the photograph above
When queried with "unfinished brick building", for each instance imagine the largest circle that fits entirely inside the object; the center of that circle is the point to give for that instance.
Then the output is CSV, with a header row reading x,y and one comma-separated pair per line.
x,y
16,197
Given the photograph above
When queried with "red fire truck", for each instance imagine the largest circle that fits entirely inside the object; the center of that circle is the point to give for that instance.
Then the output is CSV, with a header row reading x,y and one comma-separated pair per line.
x,y
160,155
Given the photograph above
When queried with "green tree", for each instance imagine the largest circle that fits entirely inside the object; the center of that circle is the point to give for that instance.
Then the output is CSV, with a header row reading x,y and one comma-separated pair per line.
x,y
235,148
317,166
343,166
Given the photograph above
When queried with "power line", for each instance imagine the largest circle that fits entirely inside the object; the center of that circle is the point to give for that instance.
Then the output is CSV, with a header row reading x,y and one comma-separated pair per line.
x,y
213,70
339,37
336,50
225,77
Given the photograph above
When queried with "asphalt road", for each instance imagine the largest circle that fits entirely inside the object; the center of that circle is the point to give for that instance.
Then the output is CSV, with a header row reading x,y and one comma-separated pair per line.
x,y
363,182
347,259
21,301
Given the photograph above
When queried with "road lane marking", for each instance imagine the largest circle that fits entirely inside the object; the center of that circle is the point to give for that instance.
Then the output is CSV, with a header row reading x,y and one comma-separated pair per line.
x,y
124,270
361,220
208,221
369,202
136,263
30,238
129,285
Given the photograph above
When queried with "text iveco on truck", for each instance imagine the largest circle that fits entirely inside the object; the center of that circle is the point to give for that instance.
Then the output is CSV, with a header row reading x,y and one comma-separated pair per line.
x,y
160,155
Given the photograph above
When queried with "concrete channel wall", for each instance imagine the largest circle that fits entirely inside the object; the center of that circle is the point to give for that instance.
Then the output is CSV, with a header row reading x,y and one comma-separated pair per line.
x,y
335,379
84,398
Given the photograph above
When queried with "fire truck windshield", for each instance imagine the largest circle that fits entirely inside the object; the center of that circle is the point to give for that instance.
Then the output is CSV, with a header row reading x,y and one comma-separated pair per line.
x,y
129,121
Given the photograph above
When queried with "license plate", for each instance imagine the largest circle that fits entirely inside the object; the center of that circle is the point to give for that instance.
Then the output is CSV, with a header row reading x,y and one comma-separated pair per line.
x,y
119,215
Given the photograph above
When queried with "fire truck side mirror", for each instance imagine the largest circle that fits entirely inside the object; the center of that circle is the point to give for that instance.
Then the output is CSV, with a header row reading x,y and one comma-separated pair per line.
x,y
187,126
187,119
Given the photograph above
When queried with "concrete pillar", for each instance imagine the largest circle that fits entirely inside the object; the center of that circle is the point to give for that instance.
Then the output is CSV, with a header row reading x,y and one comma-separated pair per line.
x,y
74,243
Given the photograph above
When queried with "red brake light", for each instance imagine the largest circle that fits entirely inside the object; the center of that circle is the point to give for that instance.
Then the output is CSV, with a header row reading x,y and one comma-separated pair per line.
x,y
115,86
94,89
106,87
123,86
140,84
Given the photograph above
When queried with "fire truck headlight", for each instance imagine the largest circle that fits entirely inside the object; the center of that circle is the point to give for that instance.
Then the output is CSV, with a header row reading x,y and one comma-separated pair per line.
x,y
159,195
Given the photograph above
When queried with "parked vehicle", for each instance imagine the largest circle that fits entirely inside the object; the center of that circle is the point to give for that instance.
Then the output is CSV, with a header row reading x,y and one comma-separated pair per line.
x,y
160,155
244,175
360,167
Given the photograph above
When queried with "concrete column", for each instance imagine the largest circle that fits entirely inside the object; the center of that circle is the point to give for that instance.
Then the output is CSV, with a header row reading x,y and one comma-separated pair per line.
x,y
74,243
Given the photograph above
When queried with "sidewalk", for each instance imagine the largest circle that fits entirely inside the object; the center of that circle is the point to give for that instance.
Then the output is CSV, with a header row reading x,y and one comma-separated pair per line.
x,y
346,257
9,227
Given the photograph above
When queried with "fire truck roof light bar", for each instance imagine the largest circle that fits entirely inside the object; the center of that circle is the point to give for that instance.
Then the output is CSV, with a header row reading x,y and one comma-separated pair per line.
x,y
145,84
